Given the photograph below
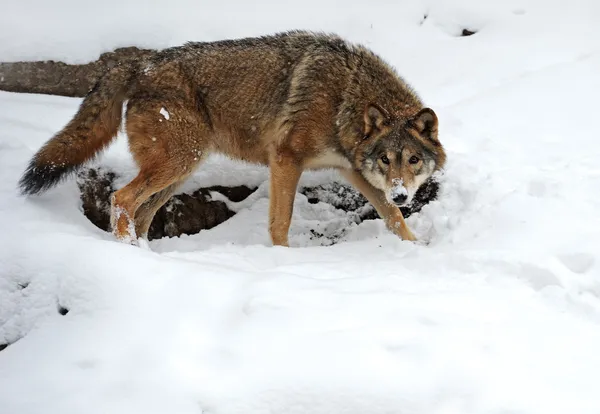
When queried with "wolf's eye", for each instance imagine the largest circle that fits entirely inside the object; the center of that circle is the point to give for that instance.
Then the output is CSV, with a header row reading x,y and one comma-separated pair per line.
x,y
385,159
413,160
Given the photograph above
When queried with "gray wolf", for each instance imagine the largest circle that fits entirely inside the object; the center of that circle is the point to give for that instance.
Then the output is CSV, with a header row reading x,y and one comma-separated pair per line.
x,y
292,101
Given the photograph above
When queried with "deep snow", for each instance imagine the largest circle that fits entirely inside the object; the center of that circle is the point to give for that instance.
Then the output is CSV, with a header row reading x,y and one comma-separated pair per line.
x,y
499,313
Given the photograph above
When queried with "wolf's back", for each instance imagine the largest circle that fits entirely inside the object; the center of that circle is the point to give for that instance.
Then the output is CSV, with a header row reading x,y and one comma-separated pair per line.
x,y
91,130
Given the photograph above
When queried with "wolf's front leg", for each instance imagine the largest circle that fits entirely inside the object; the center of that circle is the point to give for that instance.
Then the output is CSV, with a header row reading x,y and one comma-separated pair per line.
x,y
285,174
390,213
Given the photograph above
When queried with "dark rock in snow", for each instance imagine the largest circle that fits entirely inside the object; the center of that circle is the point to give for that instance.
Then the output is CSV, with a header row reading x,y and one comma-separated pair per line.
x,y
346,198
182,214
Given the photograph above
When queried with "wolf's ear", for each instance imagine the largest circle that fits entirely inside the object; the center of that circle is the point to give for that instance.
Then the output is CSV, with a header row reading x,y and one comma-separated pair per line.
x,y
426,123
375,118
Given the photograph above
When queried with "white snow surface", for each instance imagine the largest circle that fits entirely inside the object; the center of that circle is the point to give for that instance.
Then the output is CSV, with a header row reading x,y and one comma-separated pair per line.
x,y
497,313
398,188
165,113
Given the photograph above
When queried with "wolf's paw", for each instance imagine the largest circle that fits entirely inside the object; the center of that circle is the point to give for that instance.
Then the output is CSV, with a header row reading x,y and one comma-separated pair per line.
x,y
123,226
407,235
127,239
422,242
143,243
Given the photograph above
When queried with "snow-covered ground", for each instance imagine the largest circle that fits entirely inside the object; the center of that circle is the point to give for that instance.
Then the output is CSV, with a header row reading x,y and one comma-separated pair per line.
x,y
498,314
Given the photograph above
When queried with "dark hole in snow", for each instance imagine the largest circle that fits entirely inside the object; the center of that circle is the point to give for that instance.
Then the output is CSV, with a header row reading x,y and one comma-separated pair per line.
x,y
23,285
467,32
3,347
62,310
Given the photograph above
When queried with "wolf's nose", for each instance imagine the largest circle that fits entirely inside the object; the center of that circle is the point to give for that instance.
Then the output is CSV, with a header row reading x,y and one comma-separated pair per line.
x,y
400,198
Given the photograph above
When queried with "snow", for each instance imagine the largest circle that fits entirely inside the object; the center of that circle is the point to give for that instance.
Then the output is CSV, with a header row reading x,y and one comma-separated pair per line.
x,y
498,312
398,188
165,113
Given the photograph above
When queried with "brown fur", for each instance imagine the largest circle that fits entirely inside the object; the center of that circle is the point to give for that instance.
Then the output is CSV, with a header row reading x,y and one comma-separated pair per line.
x,y
292,101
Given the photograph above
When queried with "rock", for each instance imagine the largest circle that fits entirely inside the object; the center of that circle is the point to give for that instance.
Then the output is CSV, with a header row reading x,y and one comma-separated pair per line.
x,y
348,199
192,213
188,214
96,188
58,78
182,214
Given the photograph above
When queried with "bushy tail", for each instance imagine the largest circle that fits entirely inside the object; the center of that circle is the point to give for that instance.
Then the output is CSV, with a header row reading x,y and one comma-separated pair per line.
x,y
94,126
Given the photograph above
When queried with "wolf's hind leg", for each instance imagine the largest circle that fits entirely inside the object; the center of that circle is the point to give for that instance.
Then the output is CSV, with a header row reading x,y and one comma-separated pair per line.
x,y
390,213
147,211
126,201
167,140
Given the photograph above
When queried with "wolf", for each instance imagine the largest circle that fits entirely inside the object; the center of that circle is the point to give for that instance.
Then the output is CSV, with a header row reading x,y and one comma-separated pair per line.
x,y
292,101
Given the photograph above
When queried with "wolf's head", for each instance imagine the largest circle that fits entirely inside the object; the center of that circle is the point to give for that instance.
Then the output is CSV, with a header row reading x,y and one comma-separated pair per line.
x,y
397,155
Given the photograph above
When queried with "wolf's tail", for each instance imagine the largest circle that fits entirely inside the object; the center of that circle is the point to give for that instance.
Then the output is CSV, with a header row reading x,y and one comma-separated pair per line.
x,y
93,127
